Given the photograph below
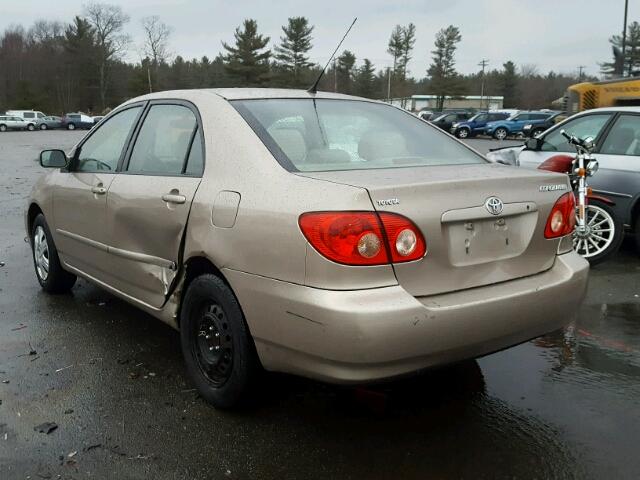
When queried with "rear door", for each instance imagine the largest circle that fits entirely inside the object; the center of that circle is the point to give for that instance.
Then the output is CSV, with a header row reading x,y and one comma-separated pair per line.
x,y
149,202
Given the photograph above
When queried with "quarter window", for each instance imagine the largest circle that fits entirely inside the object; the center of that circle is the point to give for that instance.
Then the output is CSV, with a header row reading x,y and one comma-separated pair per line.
x,y
581,127
102,150
163,141
624,137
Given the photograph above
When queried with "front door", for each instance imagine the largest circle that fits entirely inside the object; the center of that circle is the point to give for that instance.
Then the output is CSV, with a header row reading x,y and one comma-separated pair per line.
x,y
148,203
80,199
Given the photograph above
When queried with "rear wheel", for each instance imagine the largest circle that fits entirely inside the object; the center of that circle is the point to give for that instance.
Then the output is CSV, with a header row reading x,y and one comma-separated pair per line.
x,y
71,126
3,128
462,133
603,235
536,133
51,276
500,133
31,127
216,343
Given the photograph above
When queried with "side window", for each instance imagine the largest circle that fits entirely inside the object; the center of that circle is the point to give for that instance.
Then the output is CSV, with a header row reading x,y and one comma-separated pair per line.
x,y
103,148
483,118
539,116
163,142
195,163
586,126
624,137
29,115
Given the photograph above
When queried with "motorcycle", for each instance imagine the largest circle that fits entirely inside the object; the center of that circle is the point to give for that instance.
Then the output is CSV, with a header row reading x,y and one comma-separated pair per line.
x,y
598,233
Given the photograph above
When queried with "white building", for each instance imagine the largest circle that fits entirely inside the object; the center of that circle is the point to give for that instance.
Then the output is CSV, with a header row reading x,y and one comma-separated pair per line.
x,y
415,103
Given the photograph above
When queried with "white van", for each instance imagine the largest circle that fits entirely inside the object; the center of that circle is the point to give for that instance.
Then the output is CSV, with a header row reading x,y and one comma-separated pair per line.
x,y
31,116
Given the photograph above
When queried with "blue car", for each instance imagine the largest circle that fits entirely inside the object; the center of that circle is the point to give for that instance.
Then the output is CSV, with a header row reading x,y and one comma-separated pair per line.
x,y
514,125
476,124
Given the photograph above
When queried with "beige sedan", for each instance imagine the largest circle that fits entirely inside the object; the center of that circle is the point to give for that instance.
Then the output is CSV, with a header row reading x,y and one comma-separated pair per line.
x,y
329,236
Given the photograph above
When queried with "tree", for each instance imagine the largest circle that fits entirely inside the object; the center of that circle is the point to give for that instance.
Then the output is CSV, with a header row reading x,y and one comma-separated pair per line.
x,y
408,42
509,83
442,70
345,67
365,79
107,22
396,45
291,54
625,63
248,60
156,44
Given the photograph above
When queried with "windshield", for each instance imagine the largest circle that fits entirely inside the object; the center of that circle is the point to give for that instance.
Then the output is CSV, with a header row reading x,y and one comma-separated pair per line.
x,y
325,135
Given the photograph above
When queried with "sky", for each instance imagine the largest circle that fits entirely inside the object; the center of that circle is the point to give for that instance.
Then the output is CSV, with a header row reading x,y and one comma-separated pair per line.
x,y
557,35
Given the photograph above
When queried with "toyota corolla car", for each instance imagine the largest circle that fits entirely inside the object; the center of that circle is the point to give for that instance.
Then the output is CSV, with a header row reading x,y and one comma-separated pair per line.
x,y
329,236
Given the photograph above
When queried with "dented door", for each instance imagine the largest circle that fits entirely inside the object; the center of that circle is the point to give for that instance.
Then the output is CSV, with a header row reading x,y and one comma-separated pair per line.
x,y
146,216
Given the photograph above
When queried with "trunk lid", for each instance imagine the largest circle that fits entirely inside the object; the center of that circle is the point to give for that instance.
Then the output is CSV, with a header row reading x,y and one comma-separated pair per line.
x,y
467,246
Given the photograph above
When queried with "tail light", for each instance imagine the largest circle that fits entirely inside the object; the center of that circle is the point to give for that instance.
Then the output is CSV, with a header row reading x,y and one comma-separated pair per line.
x,y
562,219
363,238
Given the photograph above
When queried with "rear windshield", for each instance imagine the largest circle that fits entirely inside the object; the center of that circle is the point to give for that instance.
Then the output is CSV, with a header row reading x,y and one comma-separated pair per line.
x,y
313,135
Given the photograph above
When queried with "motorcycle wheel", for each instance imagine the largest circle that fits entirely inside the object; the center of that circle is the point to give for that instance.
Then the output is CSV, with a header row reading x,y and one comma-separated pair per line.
x,y
603,236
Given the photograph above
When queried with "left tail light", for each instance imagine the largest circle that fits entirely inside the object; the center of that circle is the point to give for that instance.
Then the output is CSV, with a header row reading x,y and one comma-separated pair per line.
x,y
562,219
363,238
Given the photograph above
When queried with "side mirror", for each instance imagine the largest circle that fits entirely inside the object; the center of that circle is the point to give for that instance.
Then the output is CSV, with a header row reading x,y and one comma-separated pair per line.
x,y
533,143
53,159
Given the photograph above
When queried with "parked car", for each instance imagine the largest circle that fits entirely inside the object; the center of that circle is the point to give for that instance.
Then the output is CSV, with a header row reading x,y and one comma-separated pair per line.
x,y
446,120
9,122
531,130
49,123
424,114
71,121
347,278
31,116
476,124
97,120
513,125
617,135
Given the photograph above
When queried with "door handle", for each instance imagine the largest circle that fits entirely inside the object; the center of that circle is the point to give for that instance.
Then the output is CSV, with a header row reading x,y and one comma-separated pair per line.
x,y
174,198
98,190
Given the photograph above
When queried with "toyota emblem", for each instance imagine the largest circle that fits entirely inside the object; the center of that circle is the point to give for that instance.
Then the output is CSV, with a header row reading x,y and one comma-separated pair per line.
x,y
494,205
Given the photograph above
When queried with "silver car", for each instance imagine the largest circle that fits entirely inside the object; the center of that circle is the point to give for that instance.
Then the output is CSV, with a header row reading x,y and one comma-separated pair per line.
x,y
8,122
329,236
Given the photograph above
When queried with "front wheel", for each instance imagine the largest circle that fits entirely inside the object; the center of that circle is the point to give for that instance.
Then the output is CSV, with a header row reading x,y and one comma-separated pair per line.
x,y
602,236
31,127
462,133
51,276
3,128
500,133
43,126
217,346
71,126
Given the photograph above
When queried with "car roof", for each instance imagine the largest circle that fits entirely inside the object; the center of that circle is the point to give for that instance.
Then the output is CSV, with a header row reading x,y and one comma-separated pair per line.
x,y
611,109
244,94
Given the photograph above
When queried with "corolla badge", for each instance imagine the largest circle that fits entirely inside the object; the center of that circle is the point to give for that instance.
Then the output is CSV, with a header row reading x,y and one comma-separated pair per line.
x,y
494,205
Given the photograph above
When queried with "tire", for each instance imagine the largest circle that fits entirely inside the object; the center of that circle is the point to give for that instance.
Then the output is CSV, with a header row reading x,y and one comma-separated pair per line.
x,y
217,346
43,126
3,128
606,243
500,133
71,126
31,127
49,272
462,133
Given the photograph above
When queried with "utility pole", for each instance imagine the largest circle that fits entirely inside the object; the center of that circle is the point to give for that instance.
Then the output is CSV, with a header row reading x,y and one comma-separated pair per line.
x,y
389,84
580,71
335,76
149,78
483,64
624,35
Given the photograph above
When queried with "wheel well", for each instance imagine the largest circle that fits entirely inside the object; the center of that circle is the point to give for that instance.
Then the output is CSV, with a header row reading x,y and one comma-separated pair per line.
x,y
33,212
635,214
196,266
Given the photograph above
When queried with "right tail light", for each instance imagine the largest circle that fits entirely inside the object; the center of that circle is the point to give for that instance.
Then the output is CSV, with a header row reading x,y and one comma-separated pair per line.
x,y
562,219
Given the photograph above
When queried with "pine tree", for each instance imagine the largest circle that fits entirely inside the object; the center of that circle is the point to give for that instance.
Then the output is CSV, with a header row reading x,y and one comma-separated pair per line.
x,y
365,80
248,60
396,45
345,71
627,64
444,78
291,54
509,81
408,42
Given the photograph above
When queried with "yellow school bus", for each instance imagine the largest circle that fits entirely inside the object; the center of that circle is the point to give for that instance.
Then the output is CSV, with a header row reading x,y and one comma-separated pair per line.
x,y
609,93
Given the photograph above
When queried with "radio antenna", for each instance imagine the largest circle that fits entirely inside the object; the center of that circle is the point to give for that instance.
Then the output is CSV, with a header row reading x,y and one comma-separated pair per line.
x,y
314,87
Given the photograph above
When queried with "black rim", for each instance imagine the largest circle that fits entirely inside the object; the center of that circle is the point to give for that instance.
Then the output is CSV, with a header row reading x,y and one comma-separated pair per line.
x,y
213,345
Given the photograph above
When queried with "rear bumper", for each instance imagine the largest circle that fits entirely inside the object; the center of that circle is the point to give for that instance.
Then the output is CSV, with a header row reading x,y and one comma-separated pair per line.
x,y
367,335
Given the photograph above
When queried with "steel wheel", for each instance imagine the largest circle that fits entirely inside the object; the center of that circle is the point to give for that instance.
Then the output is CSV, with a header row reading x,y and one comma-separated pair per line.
x,y
214,345
41,253
598,234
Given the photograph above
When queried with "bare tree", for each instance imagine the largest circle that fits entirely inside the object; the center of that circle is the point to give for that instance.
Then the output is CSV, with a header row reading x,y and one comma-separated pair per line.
x,y
156,39
108,22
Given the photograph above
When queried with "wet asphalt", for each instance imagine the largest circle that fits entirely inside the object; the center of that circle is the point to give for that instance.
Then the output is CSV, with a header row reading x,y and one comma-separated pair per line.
x,y
112,379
